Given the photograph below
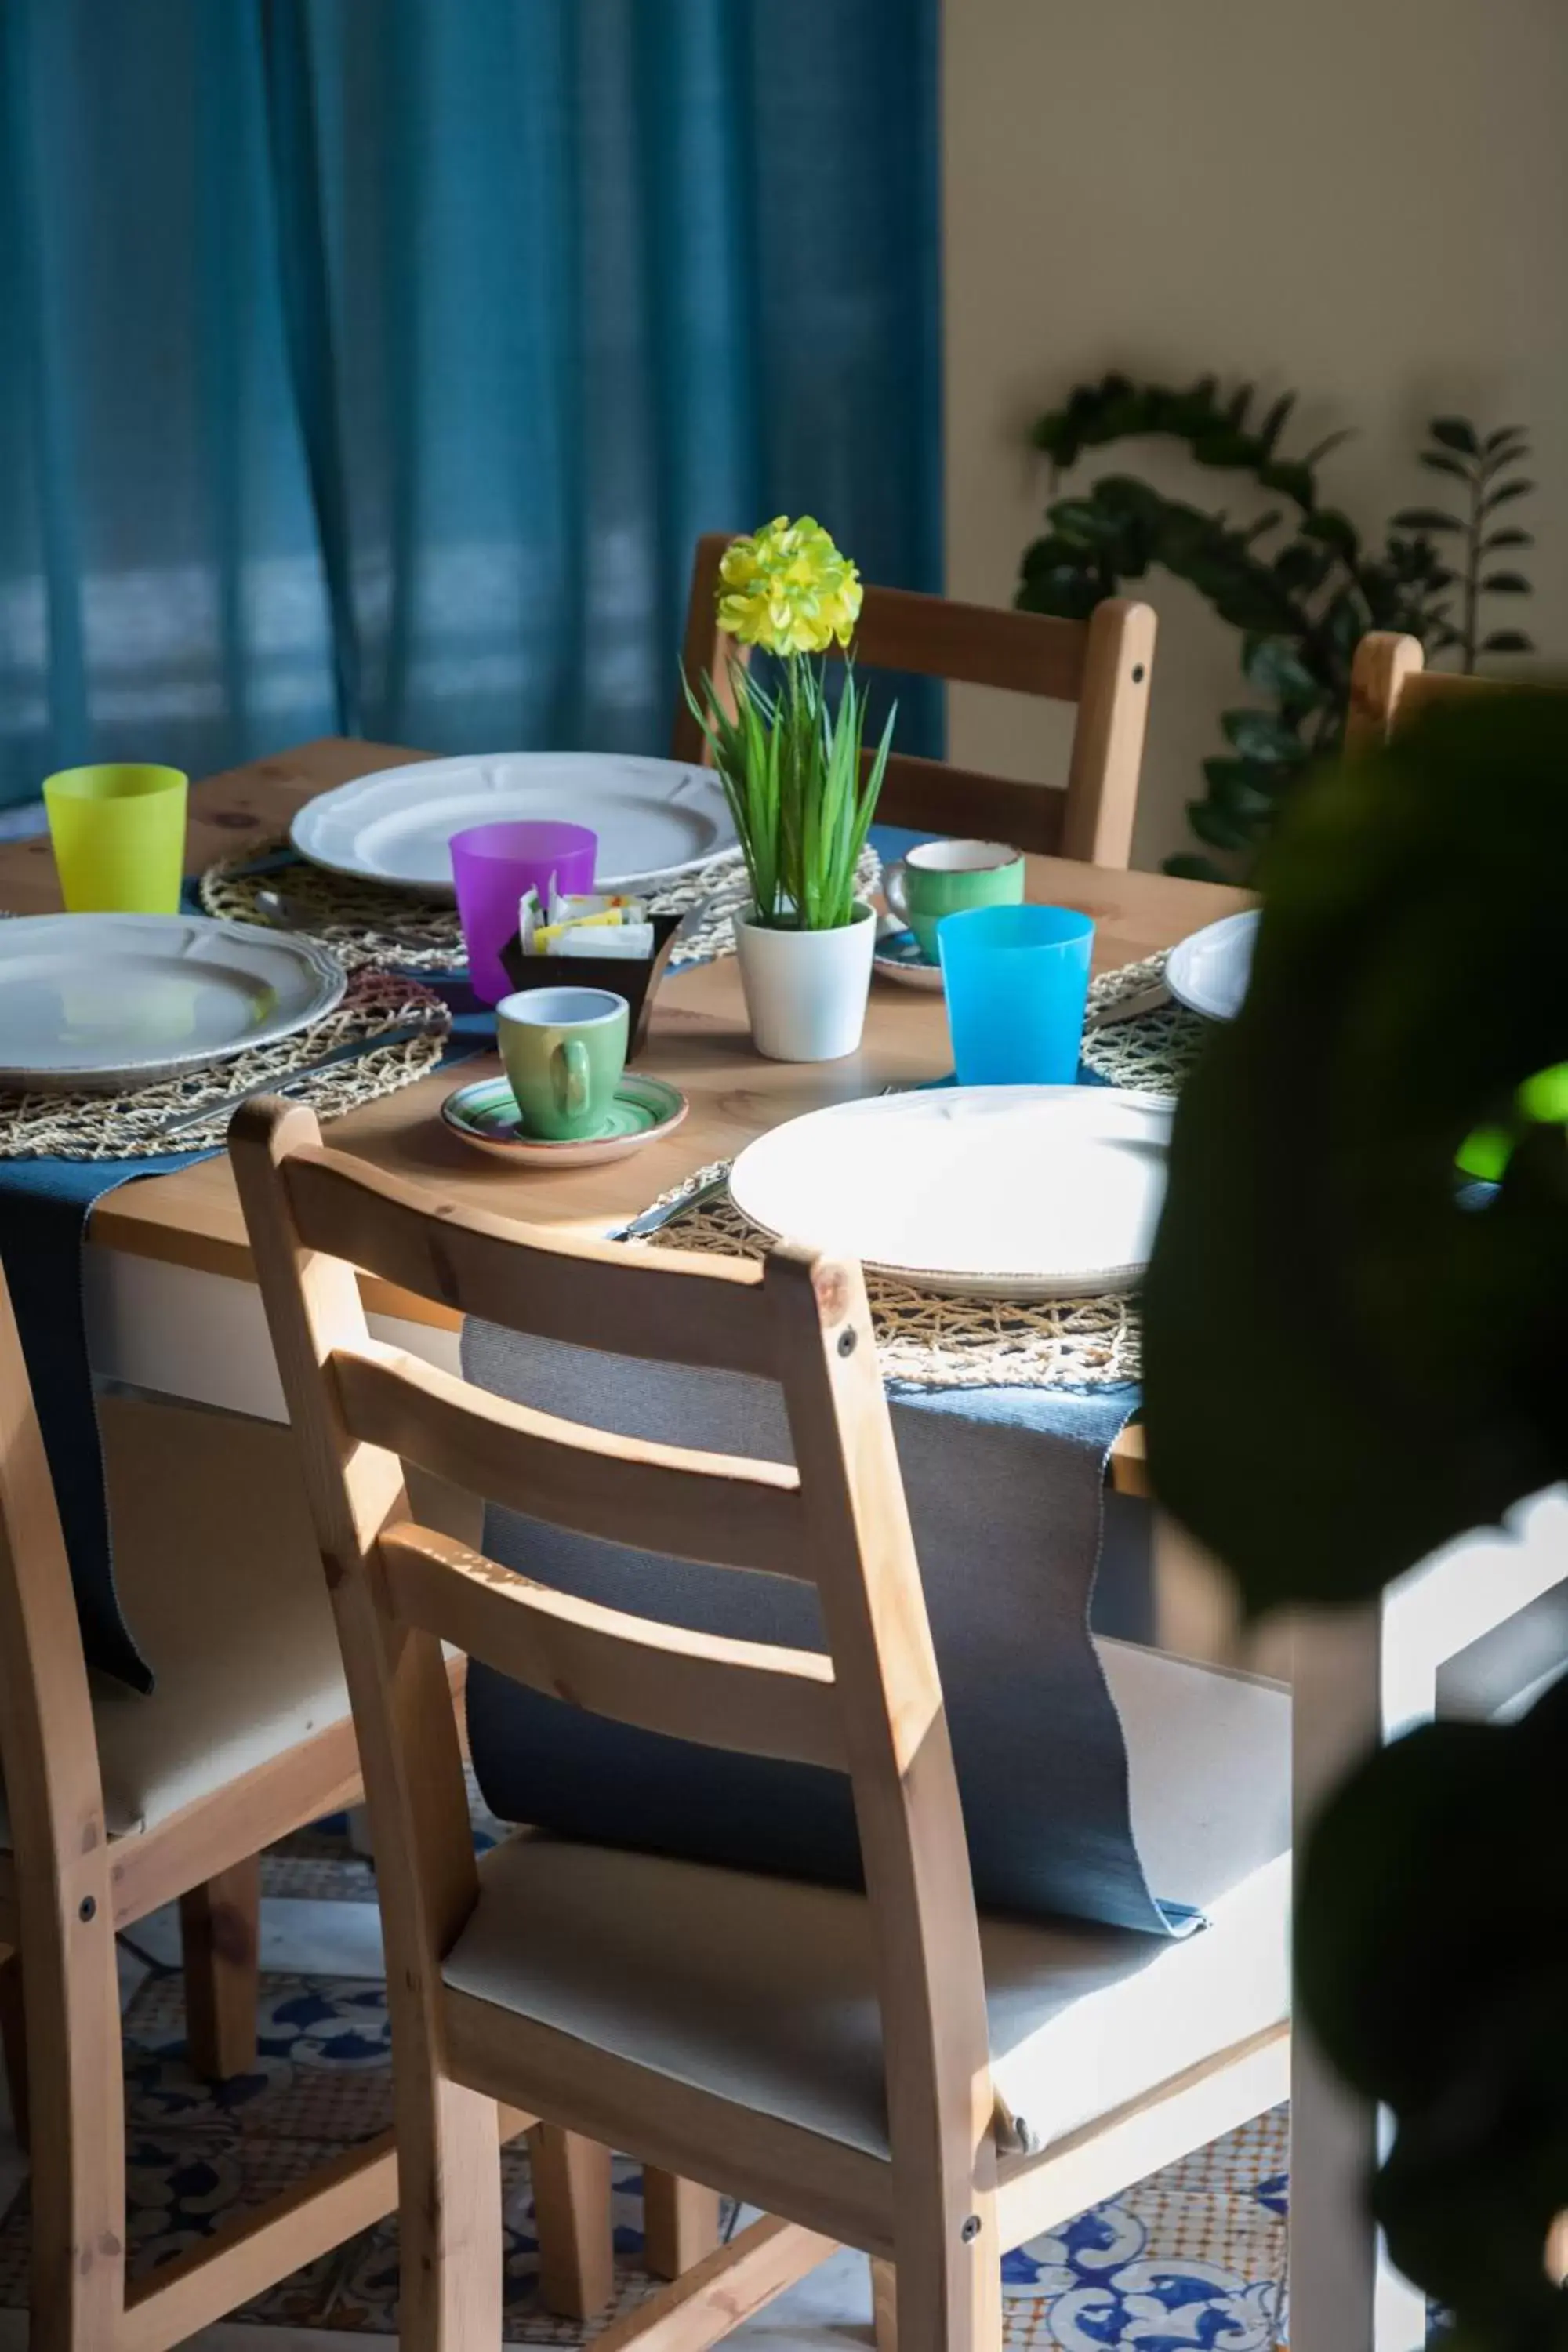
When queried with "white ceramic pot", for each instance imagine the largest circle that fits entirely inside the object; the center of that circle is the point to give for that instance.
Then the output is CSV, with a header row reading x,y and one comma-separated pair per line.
x,y
805,990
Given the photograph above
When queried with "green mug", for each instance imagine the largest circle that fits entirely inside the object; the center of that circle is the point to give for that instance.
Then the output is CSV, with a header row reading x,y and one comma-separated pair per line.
x,y
947,878
565,1049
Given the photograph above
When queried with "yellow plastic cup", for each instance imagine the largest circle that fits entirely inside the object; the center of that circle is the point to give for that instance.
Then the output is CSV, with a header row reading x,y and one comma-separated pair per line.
x,y
118,835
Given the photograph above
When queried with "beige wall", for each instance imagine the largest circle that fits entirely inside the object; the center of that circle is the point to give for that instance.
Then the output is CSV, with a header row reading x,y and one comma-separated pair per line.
x,y
1364,199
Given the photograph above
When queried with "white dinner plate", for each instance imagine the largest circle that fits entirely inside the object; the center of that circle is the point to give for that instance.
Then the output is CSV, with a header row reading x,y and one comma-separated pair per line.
x,y
1208,973
1005,1192
107,1000
655,818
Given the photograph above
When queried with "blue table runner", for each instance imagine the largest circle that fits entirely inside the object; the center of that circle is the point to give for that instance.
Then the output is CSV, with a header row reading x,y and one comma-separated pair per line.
x,y
44,1209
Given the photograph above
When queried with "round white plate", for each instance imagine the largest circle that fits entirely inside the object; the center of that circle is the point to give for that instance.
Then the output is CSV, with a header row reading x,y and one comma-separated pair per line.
x,y
1002,1191
107,1000
1208,973
655,818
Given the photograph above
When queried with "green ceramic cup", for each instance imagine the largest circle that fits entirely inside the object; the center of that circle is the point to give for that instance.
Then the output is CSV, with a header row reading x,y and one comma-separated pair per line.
x,y
565,1049
947,878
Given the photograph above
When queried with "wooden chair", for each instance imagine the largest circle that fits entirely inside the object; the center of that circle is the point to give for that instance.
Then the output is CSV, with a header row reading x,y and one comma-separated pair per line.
x,y
1390,683
1103,663
113,1805
881,2070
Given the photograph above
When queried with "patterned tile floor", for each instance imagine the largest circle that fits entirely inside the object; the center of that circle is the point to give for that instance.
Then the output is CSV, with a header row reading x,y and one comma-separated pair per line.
x,y
1194,2256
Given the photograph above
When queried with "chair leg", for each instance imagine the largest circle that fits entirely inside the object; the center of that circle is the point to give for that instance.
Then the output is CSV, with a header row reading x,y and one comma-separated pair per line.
x,y
949,2285
885,2304
14,2036
448,2219
79,2132
220,1931
572,2220
679,2223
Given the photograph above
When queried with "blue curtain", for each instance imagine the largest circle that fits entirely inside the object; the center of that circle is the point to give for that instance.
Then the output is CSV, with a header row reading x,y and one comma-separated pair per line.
x,y
372,368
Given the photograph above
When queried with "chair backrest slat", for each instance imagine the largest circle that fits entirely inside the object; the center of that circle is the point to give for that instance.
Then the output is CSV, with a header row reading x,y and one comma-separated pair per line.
x,y
49,1745
972,645
751,1696
1104,665
592,1293
1391,686
924,794
717,1508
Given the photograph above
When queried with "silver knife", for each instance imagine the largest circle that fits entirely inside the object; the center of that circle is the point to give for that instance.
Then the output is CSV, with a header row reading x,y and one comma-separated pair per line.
x,y
281,1085
1153,999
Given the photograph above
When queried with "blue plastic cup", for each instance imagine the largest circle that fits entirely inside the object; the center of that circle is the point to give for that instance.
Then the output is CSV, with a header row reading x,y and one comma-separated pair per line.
x,y
1016,981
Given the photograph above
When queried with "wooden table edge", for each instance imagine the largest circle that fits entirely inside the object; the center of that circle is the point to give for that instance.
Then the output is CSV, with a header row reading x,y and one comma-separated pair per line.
x,y
258,799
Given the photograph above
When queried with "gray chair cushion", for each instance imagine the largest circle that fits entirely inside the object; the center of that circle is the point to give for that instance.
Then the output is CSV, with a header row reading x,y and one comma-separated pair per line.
x,y
762,1988
221,1576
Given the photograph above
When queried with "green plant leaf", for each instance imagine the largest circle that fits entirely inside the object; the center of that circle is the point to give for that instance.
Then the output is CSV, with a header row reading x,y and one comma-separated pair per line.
x,y
1506,583
1507,641
1066,595
1274,667
1426,519
1078,520
1291,477
1504,492
1224,446
1274,423
1248,789
1311,1253
1260,528
1331,441
1463,2035
1219,830
1343,620
1437,463
1258,735
1456,433
1334,529
1506,538
1505,433
1191,866
1302,567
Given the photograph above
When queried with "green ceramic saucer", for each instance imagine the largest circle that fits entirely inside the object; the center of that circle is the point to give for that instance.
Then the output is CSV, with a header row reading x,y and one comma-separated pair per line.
x,y
484,1113
900,956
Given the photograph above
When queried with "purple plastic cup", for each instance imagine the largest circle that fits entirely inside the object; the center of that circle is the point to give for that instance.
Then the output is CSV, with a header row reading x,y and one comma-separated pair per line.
x,y
492,865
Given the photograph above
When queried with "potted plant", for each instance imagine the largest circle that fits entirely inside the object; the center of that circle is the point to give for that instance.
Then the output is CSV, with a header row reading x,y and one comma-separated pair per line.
x,y
789,759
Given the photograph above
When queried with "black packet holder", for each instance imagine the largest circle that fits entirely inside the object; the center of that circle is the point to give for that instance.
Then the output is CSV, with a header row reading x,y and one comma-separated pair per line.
x,y
636,978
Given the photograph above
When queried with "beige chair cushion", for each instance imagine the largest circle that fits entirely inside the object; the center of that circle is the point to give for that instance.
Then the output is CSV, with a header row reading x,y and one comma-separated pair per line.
x,y
763,1989
221,1580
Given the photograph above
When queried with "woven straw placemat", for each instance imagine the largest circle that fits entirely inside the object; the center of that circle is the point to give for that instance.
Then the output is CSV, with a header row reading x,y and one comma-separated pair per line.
x,y
1150,1055
927,1340
376,1005
365,924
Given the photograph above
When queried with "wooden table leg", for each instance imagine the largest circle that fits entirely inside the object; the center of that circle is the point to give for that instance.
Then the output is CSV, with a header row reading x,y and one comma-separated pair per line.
x,y
572,2221
680,2222
220,1928
14,2035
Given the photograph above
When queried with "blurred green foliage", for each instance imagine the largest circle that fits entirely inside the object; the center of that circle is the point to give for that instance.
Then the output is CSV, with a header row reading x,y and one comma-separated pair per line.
x,y
1350,1361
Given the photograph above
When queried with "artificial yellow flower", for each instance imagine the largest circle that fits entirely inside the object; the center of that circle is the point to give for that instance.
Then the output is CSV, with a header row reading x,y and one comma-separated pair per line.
x,y
787,589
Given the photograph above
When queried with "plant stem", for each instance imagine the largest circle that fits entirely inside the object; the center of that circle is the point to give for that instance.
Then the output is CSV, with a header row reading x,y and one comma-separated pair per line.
x,y
1472,571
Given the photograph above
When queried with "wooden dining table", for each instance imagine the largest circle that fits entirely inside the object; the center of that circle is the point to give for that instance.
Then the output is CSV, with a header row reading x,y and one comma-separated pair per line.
x,y
698,1039
172,1310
